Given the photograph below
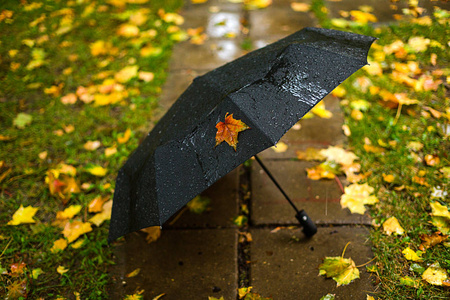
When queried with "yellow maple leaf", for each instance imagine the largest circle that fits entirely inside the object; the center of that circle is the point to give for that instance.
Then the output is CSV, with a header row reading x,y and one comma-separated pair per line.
x,y
342,270
69,212
435,275
356,196
104,215
392,225
418,43
339,155
59,245
97,171
411,255
439,210
74,229
23,215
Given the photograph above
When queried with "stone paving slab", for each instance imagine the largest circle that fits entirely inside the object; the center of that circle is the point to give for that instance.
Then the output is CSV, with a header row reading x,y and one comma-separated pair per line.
x,y
223,208
315,133
176,83
183,264
277,21
320,199
285,268
208,56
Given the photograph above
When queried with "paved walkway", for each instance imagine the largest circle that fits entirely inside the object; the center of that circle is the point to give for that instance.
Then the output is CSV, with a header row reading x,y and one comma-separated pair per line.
x,y
199,255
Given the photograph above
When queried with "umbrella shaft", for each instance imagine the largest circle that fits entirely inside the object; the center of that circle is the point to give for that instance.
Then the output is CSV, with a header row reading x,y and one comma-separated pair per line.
x,y
276,183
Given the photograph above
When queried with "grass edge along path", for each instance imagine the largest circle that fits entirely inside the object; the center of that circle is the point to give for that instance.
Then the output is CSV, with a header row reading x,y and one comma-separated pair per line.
x,y
397,117
81,85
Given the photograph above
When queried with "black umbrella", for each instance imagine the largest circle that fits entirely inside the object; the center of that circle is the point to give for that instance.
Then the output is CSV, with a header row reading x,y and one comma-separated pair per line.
x,y
269,90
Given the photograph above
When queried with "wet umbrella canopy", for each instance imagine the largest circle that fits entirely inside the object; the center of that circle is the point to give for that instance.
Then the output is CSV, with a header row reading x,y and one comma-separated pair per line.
x,y
269,89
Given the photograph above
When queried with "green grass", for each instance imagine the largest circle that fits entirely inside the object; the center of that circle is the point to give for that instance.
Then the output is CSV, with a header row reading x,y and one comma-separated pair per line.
x,y
393,129
68,64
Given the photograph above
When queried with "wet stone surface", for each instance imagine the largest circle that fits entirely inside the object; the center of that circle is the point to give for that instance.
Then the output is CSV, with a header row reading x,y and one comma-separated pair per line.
x,y
277,21
285,263
183,264
320,199
197,256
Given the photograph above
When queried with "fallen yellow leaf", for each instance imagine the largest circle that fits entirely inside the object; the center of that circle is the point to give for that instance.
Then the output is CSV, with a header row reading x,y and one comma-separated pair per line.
x,y
104,215
61,270
435,275
78,244
342,270
127,73
411,255
59,245
320,111
356,196
128,30
339,155
133,273
392,225
439,210
97,171
69,212
92,145
75,229
23,215
300,7
280,147
122,139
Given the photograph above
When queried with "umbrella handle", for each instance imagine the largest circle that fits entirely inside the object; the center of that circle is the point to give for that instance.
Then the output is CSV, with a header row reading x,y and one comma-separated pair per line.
x,y
309,228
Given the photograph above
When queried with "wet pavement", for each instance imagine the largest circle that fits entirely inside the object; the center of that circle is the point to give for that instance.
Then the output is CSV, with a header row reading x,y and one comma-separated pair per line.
x,y
197,255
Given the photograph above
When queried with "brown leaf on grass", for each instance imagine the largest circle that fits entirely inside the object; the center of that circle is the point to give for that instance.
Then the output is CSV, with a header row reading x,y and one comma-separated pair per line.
x,y
228,131
430,240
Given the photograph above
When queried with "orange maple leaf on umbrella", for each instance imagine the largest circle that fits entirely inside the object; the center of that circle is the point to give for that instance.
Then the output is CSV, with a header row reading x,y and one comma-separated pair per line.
x,y
228,131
